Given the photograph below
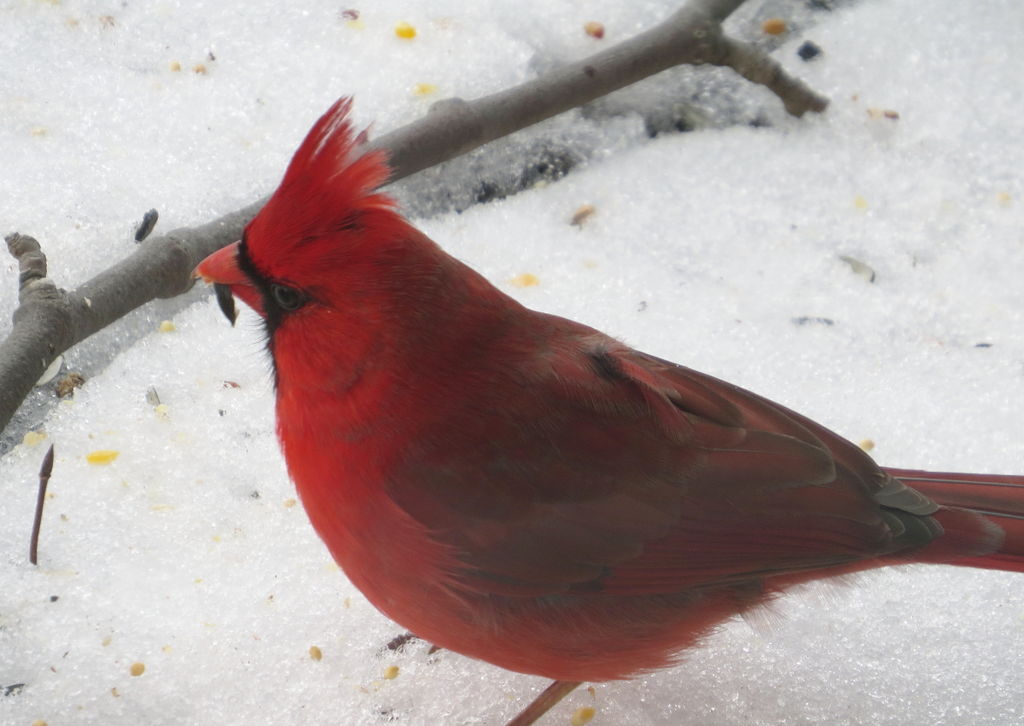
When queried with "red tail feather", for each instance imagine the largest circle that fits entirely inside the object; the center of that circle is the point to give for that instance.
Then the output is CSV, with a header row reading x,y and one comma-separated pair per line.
x,y
998,498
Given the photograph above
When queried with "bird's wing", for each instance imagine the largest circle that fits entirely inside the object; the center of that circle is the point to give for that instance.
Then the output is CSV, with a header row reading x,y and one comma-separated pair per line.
x,y
614,471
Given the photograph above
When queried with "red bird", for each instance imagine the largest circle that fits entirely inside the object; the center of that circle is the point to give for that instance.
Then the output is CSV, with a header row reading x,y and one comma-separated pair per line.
x,y
528,491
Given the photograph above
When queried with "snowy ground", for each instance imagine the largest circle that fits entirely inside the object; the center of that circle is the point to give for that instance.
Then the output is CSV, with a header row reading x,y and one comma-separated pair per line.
x,y
188,553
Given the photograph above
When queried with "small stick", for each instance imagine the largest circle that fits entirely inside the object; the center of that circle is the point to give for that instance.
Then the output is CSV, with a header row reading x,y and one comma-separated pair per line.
x,y
44,477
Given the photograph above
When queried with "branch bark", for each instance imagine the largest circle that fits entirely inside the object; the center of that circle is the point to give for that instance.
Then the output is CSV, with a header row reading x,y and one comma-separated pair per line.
x,y
692,35
49,320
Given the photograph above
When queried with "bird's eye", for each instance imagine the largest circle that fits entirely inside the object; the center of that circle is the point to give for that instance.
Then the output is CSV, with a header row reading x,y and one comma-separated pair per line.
x,y
287,298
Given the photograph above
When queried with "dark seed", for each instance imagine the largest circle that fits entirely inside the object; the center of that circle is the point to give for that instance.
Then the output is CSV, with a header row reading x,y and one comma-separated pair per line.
x,y
808,51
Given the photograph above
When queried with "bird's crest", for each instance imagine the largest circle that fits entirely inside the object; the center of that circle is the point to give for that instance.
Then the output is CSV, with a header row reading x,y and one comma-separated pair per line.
x,y
329,184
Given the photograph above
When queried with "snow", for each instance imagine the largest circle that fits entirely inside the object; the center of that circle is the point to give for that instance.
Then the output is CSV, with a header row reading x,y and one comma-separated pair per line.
x,y
188,552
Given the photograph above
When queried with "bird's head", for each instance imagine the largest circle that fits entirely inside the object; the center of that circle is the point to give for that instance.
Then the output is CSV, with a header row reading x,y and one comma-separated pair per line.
x,y
324,217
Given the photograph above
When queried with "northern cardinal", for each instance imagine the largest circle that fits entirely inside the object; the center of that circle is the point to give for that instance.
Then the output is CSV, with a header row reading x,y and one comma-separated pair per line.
x,y
528,491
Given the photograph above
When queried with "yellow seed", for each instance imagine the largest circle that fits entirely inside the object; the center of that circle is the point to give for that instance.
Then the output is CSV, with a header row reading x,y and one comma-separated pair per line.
x,y
594,29
106,641
166,326
1004,198
290,503
114,693
33,438
404,30
860,202
867,444
39,131
582,715
137,669
175,66
774,26
525,280
315,653
424,89
391,672
101,456
167,648
199,69
39,722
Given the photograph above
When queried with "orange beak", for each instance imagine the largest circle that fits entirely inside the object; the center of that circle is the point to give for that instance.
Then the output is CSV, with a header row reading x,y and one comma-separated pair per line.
x,y
222,270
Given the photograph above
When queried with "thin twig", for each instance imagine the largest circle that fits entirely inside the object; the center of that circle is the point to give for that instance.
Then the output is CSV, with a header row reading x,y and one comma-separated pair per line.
x,y
44,478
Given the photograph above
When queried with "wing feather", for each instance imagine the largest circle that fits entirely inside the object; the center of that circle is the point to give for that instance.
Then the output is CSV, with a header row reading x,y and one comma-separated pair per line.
x,y
639,476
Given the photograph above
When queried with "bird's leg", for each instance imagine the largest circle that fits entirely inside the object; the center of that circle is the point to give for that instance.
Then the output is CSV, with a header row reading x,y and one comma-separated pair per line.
x,y
543,703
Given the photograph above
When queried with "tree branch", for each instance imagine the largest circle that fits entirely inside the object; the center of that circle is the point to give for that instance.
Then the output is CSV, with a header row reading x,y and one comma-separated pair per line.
x,y
49,320
42,328
756,67
692,35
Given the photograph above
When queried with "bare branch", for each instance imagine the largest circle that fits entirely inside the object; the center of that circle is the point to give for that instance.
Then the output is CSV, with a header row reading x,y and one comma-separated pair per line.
x,y
49,320
692,35
755,66
41,331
